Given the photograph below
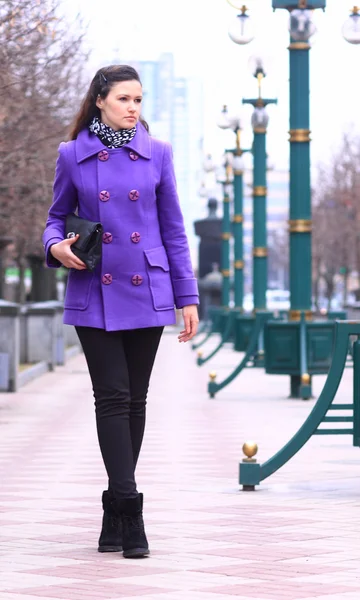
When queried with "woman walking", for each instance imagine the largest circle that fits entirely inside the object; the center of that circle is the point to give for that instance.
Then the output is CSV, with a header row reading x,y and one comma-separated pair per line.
x,y
113,172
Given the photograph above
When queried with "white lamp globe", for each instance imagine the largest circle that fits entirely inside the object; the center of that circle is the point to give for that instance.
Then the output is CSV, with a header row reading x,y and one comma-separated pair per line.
x,y
238,163
223,120
241,30
351,27
234,123
301,26
260,118
208,164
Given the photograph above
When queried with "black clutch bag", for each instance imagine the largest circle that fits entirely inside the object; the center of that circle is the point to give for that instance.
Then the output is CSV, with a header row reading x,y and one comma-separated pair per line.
x,y
89,245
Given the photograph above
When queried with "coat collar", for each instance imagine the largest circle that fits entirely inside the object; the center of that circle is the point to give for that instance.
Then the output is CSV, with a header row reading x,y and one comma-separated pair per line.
x,y
88,144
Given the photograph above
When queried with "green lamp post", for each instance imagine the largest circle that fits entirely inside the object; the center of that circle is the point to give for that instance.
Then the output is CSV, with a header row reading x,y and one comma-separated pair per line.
x,y
226,237
231,227
227,122
260,121
238,221
300,224
231,189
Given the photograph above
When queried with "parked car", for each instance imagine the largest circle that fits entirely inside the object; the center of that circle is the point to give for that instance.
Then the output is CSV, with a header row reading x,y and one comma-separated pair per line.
x,y
275,300
278,299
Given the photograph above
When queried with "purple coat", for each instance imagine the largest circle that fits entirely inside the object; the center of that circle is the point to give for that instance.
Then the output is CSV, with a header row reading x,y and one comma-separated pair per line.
x,y
145,267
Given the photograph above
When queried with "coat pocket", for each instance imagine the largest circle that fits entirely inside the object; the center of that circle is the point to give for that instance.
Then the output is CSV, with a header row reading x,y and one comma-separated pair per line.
x,y
78,289
158,270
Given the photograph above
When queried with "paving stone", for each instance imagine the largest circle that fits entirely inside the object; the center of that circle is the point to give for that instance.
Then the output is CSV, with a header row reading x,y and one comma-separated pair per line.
x,y
295,538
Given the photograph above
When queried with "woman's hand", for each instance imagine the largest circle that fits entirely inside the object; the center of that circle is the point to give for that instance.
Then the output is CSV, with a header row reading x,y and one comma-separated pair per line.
x,y
63,253
191,322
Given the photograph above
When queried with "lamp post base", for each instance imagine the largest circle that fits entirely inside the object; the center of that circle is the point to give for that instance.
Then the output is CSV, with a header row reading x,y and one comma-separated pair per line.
x,y
299,349
299,389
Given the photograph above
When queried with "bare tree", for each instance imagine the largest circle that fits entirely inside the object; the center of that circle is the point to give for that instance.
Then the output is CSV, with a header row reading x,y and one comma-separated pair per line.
x,y
333,250
336,218
278,245
41,67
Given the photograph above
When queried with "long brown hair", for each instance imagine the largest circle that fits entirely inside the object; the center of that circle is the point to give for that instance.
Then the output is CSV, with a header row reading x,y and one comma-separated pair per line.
x,y
101,85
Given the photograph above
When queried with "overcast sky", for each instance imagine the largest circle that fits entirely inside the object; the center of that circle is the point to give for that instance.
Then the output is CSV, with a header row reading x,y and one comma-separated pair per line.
x,y
196,32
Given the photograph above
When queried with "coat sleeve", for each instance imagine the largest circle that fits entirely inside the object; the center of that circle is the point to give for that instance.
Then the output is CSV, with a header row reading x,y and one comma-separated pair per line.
x,y
174,235
64,202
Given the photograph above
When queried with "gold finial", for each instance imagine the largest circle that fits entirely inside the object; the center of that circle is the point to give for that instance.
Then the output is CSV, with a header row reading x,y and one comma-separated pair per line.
x,y
250,450
200,353
305,379
260,77
212,375
238,145
228,171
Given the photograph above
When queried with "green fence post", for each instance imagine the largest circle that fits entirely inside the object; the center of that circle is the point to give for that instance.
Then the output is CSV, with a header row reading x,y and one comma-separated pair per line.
x,y
356,376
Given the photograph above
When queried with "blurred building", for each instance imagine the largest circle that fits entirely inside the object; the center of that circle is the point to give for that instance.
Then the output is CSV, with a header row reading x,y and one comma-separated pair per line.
x,y
173,107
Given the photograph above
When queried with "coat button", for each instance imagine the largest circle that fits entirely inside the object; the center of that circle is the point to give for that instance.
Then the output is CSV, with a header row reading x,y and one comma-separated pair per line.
x,y
106,279
103,155
134,195
104,196
135,237
107,237
137,280
133,156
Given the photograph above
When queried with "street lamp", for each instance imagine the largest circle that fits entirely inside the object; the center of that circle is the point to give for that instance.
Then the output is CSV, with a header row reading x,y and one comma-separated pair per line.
x,y
241,29
227,122
203,193
295,334
225,178
259,121
208,164
223,120
351,27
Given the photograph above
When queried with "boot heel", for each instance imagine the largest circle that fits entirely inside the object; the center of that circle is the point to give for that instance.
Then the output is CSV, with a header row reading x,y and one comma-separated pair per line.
x,y
102,548
136,553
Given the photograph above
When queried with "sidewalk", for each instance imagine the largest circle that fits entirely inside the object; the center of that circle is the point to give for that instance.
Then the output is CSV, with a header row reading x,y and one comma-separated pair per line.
x,y
296,537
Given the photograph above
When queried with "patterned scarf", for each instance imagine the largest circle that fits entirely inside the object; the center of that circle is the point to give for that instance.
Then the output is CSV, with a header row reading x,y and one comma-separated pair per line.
x,y
109,137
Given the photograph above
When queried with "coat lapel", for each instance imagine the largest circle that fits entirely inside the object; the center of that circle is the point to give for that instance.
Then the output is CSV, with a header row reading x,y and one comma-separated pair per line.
x,y
140,143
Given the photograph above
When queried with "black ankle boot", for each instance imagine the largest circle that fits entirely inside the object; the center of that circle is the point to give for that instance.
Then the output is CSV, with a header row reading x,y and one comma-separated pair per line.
x,y
135,544
110,539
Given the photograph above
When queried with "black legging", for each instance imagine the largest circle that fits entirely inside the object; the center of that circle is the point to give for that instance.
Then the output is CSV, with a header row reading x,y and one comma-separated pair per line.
x,y
120,365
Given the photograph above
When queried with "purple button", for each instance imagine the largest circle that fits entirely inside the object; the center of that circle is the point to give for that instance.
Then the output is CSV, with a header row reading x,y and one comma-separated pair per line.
x,y
135,237
104,196
137,280
134,195
107,237
103,155
133,156
106,279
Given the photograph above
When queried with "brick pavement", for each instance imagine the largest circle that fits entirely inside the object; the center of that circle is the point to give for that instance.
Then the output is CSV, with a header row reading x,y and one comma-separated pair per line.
x,y
297,537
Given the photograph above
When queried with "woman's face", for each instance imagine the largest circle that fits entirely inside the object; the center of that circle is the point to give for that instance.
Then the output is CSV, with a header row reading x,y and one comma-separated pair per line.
x,y
122,106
